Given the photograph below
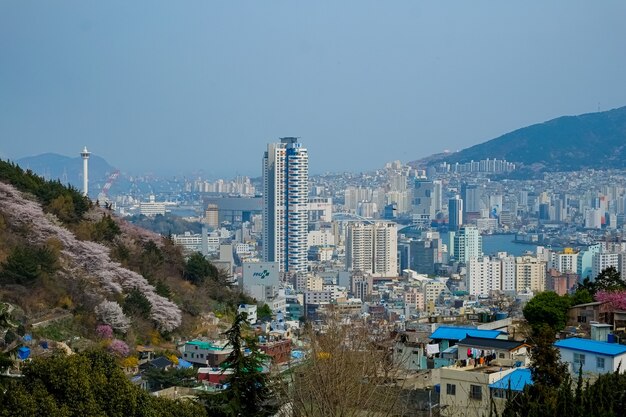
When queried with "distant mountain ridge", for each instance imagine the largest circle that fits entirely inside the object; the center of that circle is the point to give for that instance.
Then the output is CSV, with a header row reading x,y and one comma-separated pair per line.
x,y
67,169
568,143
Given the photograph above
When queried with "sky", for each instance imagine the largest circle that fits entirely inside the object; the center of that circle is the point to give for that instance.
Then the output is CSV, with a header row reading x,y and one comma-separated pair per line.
x,y
180,87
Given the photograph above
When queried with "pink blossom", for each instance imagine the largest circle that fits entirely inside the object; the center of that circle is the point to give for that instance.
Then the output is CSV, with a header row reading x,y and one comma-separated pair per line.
x,y
104,331
119,348
617,299
88,256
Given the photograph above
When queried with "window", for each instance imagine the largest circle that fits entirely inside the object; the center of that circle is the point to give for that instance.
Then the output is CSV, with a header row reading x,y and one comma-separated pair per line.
x,y
600,363
582,319
579,359
499,393
501,355
450,389
476,392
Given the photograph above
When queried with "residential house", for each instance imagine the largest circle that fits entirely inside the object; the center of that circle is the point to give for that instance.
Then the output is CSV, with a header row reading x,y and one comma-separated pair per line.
x,y
502,352
595,357
204,353
466,390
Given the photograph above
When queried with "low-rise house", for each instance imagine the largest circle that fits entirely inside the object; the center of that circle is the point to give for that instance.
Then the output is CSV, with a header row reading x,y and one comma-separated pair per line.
x,y
583,314
447,336
594,357
502,352
161,363
511,385
466,390
279,350
204,353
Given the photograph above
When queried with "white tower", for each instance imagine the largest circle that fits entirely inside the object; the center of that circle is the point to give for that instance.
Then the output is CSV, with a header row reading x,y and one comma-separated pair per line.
x,y
85,154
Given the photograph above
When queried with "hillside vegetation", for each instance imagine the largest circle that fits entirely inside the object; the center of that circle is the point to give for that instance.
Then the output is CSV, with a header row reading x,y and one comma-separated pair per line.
x,y
62,256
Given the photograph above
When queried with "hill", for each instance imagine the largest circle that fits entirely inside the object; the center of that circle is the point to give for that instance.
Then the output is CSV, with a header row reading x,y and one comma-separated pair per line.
x,y
61,257
569,143
66,169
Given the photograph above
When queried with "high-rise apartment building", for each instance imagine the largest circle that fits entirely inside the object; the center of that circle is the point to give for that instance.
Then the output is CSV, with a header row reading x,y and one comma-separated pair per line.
x,y
530,274
372,248
285,204
468,244
484,275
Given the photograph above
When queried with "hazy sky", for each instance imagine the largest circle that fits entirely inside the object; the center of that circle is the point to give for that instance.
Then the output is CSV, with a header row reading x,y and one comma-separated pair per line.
x,y
168,86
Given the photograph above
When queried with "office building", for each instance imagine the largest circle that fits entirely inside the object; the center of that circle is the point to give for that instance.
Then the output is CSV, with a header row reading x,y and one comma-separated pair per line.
x,y
285,205
455,213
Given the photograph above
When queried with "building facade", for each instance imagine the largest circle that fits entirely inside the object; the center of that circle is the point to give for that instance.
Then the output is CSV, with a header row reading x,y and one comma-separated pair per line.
x,y
285,205
372,248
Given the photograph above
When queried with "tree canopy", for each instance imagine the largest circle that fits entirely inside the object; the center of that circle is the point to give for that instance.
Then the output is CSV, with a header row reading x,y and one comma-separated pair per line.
x,y
87,384
547,308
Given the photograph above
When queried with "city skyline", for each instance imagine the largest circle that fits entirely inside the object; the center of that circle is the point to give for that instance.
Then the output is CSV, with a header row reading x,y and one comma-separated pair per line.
x,y
124,82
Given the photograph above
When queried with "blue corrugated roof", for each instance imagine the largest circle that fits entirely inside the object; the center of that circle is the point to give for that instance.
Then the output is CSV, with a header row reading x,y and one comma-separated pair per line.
x,y
586,345
459,333
518,379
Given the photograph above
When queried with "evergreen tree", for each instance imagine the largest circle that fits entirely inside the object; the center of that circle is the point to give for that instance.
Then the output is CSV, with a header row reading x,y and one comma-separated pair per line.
x,y
248,393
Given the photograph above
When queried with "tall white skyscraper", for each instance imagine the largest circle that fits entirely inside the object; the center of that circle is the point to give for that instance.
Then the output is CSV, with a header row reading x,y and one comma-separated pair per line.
x,y
285,204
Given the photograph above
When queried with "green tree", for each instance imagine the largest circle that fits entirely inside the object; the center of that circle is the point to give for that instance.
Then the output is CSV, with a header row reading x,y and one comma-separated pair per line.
x,y
547,308
136,304
608,280
265,312
581,296
248,392
106,229
26,264
86,384
198,269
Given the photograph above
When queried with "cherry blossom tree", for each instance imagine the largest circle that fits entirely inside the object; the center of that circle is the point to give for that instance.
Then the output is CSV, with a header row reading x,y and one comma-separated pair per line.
x,y
110,313
616,298
119,348
104,331
89,256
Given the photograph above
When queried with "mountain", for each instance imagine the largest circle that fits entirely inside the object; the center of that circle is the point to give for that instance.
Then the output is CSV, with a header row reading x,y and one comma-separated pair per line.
x,y
68,170
569,143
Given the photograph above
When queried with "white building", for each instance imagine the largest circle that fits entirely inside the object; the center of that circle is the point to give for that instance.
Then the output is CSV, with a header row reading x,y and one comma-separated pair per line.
x,y
372,248
564,262
508,272
595,357
602,261
152,207
285,204
468,244
484,275
250,310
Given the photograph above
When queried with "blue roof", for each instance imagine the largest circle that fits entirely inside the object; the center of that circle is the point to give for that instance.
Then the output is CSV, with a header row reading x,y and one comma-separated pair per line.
x,y
460,333
518,379
586,345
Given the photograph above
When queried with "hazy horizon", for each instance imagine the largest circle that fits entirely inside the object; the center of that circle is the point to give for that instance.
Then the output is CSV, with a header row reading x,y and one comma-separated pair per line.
x,y
179,88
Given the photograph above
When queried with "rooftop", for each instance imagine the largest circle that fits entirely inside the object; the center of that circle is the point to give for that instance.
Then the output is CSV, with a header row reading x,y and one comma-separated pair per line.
x,y
460,333
587,345
483,342
204,345
516,380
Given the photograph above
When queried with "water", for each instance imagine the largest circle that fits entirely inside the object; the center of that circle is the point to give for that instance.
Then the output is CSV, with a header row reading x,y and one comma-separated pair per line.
x,y
499,243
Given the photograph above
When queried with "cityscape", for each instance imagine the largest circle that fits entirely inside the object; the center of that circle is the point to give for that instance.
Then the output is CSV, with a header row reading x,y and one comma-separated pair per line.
x,y
463,257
